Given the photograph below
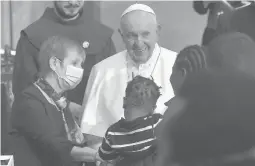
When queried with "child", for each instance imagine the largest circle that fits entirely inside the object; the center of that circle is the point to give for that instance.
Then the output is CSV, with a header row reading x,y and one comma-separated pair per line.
x,y
131,141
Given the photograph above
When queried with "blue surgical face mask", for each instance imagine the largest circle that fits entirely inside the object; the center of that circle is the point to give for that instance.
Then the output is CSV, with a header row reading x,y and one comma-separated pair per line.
x,y
73,75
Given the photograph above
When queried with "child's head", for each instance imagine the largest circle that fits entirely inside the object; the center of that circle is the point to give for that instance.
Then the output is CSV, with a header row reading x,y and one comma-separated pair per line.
x,y
141,94
191,59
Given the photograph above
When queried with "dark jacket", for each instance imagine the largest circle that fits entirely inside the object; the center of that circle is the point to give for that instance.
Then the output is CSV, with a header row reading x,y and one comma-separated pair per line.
x,y
243,21
38,134
82,29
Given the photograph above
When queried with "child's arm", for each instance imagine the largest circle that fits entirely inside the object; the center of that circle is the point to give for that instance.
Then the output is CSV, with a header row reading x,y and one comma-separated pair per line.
x,y
106,152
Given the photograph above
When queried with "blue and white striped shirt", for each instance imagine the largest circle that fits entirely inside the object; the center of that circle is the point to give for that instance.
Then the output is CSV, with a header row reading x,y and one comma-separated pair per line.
x,y
130,139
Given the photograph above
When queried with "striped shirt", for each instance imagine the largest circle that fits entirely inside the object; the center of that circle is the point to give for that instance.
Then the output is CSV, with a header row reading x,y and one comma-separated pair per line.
x,y
130,139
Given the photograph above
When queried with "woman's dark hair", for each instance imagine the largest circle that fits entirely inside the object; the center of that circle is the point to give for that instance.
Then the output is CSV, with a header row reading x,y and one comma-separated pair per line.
x,y
140,89
190,59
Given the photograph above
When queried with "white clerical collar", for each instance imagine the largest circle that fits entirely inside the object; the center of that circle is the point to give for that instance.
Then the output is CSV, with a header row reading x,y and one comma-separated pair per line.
x,y
151,62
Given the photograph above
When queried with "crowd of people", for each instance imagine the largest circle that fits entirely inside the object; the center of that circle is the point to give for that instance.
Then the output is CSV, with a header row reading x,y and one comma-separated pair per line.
x,y
78,102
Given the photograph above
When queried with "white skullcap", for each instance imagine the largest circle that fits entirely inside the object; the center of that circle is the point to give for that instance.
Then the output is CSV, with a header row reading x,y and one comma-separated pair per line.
x,y
136,7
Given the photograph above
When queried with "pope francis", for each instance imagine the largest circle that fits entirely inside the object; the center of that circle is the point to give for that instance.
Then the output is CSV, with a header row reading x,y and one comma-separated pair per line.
x,y
103,100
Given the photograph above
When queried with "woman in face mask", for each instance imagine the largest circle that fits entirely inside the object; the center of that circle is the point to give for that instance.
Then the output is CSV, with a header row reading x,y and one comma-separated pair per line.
x,y
44,132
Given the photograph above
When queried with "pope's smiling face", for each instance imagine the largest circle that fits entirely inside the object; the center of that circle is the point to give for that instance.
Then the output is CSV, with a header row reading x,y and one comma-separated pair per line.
x,y
140,32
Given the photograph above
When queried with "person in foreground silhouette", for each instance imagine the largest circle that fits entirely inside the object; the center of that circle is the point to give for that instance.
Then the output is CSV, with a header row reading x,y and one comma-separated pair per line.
x,y
213,123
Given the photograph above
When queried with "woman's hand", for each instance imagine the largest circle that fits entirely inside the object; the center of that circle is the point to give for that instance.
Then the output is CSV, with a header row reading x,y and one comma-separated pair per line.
x,y
84,154
98,158
99,161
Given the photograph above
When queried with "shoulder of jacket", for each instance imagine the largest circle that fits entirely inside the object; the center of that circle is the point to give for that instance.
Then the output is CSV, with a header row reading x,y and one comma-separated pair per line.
x,y
105,31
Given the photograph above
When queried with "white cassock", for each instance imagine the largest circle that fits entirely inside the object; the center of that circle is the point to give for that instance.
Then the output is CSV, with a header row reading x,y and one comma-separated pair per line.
x,y
103,100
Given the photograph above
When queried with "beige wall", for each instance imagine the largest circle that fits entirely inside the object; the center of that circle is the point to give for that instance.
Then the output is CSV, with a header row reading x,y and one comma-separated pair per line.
x,y
23,13
181,25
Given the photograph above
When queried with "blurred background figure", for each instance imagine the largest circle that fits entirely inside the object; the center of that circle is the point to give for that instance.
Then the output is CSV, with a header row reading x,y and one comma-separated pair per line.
x,y
225,16
4,120
6,98
232,50
202,8
243,20
213,124
214,9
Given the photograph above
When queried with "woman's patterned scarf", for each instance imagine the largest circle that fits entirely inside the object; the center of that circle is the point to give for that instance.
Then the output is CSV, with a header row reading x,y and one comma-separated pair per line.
x,y
73,131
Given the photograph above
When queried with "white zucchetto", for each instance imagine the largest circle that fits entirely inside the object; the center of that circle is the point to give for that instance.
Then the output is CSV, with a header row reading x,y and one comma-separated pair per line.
x,y
136,7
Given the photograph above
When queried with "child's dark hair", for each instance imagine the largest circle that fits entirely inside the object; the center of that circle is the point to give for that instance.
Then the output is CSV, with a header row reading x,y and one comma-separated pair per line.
x,y
140,89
